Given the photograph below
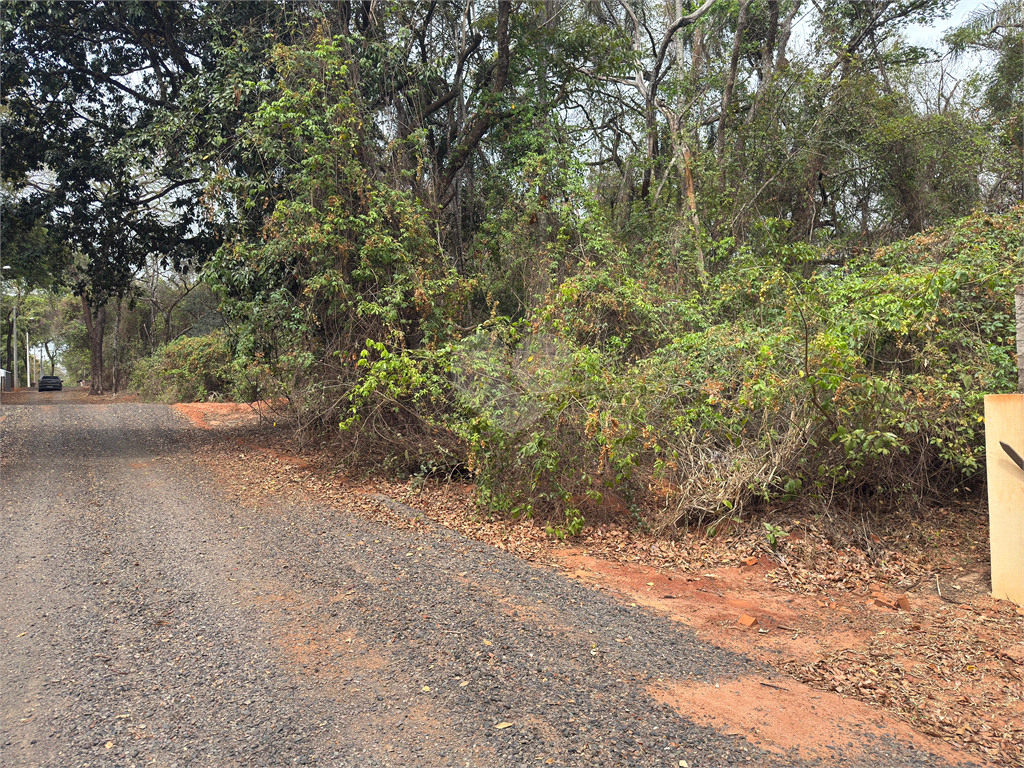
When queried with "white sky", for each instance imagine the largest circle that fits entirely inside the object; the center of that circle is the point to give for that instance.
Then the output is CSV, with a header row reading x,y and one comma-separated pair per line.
x,y
931,36
927,36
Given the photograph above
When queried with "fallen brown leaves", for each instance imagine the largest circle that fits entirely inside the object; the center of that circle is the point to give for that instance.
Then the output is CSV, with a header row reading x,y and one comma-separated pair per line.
x,y
945,679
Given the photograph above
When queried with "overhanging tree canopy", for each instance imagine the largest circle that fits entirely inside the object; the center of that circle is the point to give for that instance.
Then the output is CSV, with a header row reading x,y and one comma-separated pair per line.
x,y
85,88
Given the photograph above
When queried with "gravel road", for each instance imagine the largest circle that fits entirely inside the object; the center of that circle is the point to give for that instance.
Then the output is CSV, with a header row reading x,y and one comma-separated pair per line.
x,y
146,620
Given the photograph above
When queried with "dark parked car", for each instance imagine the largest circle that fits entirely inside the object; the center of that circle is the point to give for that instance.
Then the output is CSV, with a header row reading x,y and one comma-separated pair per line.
x,y
50,384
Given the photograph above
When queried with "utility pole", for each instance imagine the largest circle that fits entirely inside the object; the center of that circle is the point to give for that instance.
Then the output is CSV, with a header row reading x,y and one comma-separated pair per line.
x,y
28,362
14,344
3,280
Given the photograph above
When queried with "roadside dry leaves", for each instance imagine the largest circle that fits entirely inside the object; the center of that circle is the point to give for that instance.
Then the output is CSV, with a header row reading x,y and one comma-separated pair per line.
x,y
949,679
953,672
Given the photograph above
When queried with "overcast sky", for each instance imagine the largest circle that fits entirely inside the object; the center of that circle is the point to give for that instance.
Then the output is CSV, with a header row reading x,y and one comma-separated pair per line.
x,y
928,36
931,36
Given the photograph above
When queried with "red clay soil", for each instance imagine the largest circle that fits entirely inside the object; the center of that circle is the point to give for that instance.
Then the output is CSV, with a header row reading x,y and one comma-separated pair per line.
x,y
213,415
792,632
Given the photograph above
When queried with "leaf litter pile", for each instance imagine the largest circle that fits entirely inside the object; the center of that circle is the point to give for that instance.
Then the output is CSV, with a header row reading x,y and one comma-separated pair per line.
x,y
950,666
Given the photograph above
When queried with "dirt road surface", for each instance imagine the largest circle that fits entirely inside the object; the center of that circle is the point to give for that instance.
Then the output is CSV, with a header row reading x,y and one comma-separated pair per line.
x,y
147,619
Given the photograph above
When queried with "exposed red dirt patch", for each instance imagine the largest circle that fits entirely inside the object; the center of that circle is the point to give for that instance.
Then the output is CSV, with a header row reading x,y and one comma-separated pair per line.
x,y
789,627
212,415
781,715
948,671
312,644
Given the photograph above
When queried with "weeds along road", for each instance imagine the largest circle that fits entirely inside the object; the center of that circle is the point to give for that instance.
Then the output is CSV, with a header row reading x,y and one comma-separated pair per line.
x,y
145,620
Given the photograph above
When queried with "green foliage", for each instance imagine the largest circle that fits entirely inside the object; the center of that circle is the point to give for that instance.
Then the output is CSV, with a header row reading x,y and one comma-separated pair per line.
x,y
400,174
546,224
342,264
864,383
607,310
187,370
539,441
535,257
773,533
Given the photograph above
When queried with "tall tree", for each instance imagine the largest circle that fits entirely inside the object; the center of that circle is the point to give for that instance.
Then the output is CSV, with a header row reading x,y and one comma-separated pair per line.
x,y
997,33
84,85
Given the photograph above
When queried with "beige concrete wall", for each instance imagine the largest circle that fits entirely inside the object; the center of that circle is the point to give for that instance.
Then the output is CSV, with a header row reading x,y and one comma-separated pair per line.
x,y
1004,422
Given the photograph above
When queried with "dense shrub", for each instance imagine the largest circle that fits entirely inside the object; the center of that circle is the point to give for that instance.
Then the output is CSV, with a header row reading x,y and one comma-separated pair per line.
x,y
187,370
524,404
855,385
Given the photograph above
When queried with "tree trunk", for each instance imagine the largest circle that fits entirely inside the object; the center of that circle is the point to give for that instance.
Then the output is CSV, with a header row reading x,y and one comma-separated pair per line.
x,y
95,326
691,198
485,117
167,325
730,83
49,356
651,120
117,332
14,343
7,345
